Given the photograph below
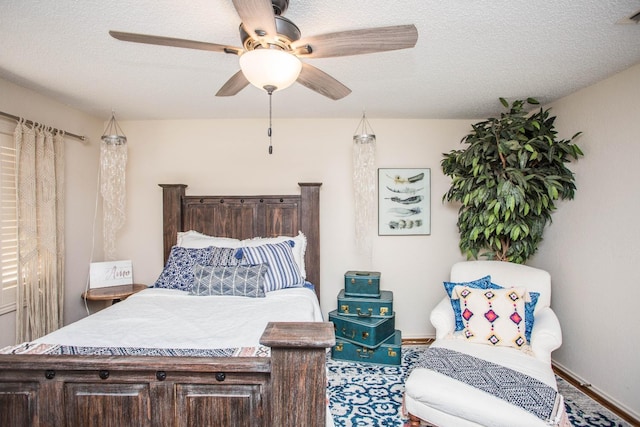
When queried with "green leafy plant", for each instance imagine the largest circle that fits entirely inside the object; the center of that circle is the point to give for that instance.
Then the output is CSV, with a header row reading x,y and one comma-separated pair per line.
x,y
508,180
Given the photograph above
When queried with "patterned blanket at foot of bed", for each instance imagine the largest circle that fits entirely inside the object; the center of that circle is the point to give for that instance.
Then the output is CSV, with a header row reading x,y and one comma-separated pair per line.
x,y
55,349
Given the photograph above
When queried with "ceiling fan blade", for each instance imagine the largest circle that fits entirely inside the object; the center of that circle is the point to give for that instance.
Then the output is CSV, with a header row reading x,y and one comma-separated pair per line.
x,y
168,41
234,85
258,18
321,82
357,42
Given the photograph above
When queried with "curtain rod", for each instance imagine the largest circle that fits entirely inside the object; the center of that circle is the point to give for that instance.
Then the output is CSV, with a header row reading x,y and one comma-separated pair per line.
x,y
31,123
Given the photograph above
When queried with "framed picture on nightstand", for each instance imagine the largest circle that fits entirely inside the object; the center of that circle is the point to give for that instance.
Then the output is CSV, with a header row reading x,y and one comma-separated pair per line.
x,y
404,201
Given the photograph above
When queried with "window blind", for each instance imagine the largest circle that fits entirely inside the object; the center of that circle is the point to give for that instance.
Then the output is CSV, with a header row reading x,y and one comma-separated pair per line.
x,y
8,223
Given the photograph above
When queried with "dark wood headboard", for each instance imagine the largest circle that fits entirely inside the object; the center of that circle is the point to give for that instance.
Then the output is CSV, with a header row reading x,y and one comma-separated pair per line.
x,y
244,217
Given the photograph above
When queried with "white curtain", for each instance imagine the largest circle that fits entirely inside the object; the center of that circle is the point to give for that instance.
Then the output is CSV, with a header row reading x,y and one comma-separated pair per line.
x,y
113,162
40,205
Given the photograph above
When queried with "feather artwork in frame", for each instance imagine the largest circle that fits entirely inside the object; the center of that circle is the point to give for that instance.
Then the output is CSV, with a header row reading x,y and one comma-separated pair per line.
x,y
404,201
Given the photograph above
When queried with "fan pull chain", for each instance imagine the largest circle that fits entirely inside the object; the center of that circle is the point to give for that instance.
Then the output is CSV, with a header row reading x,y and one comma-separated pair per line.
x,y
270,90
269,132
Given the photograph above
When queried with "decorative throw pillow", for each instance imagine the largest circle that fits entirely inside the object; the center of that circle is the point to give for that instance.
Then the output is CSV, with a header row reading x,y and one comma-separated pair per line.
x,y
529,308
283,271
485,283
481,283
178,272
238,280
298,249
493,316
225,256
194,239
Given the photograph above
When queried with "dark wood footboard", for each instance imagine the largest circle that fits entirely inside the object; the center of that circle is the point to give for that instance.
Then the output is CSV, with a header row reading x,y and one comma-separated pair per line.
x,y
286,389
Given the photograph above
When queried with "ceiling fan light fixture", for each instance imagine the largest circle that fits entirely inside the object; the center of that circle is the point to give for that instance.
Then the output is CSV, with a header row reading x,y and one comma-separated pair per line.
x,y
270,67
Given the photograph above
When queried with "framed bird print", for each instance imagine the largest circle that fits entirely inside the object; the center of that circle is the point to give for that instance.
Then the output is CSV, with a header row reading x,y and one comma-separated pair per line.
x,y
404,202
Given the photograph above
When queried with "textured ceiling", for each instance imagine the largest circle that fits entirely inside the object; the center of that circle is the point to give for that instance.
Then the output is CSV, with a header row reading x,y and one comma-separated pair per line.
x,y
468,54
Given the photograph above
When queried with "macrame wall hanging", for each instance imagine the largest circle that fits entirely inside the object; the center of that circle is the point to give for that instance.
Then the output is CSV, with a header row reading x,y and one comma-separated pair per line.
x,y
113,162
364,187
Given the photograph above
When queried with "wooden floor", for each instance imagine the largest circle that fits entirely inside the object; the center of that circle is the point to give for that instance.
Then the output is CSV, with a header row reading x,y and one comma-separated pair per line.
x,y
586,389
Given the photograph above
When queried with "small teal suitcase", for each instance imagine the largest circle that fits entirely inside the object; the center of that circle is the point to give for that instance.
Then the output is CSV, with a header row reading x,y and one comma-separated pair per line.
x,y
389,352
365,331
362,284
366,306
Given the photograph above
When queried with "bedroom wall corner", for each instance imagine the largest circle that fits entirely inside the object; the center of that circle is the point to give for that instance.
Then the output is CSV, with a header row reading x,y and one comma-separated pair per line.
x,y
80,187
591,248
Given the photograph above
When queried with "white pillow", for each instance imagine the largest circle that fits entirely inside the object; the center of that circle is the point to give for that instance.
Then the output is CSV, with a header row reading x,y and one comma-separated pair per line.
x,y
194,239
492,316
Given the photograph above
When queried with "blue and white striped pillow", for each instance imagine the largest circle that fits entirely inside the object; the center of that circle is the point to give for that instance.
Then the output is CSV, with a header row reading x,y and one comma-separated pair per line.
x,y
283,272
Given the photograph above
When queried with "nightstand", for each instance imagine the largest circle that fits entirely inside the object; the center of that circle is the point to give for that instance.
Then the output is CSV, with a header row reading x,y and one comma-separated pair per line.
x,y
112,293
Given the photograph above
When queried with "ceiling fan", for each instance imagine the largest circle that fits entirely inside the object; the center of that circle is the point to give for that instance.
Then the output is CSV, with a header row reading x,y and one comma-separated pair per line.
x,y
263,29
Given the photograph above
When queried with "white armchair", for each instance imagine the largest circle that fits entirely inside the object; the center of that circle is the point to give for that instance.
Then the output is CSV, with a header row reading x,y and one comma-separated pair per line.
x,y
446,402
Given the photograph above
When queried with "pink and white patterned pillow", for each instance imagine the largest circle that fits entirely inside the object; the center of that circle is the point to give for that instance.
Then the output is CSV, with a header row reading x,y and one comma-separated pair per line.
x,y
493,316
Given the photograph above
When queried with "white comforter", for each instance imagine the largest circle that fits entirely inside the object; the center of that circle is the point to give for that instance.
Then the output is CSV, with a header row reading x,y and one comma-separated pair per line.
x,y
168,318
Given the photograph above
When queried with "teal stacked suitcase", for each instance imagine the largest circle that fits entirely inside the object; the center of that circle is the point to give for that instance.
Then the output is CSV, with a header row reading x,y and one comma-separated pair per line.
x,y
365,322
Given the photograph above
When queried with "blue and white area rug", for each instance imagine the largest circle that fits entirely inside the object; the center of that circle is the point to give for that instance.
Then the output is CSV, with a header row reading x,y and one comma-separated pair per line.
x,y
362,394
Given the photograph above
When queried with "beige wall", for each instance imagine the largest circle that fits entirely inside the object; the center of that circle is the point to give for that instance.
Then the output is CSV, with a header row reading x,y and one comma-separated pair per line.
x,y
230,156
80,177
594,242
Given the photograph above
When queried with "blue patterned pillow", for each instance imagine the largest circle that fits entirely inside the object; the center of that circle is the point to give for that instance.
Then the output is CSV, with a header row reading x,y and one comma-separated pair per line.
x,y
178,272
529,308
482,283
283,272
225,256
238,280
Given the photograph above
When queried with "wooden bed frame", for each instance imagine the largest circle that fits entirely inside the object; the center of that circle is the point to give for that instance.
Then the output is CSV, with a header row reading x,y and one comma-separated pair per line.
x,y
286,389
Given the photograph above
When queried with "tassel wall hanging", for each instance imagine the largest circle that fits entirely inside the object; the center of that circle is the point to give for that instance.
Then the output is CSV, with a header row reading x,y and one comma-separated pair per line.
x,y
364,187
113,162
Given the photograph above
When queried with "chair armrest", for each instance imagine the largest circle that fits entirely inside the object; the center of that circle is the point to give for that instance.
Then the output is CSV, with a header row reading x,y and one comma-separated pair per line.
x,y
442,318
546,334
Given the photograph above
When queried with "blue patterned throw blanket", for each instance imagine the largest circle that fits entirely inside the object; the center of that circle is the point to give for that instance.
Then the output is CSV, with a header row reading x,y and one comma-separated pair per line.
x,y
512,386
55,349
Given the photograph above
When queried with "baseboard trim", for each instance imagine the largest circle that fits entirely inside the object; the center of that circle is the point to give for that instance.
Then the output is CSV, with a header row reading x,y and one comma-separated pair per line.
x,y
417,341
586,389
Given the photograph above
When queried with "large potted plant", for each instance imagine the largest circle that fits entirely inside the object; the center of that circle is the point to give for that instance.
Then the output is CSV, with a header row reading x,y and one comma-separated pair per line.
x,y
508,180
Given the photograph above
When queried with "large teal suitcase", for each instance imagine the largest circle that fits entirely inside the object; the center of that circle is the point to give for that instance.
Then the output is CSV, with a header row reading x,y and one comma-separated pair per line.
x,y
389,352
362,284
365,331
366,306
